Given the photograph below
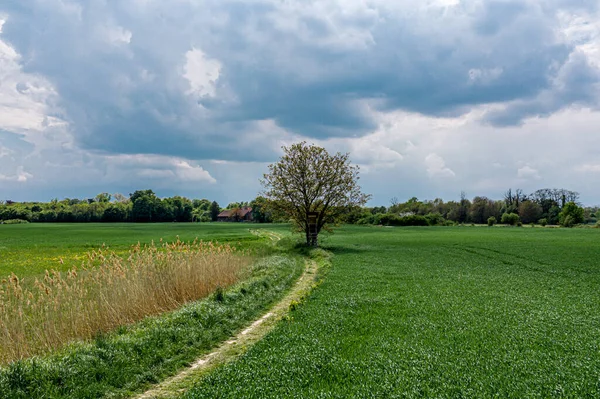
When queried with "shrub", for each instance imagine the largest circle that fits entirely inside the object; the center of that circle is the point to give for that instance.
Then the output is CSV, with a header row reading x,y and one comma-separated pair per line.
x,y
553,215
510,219
390,219
15,221
543,222
519,224
435,219
492,221
371,219
567,221
570,215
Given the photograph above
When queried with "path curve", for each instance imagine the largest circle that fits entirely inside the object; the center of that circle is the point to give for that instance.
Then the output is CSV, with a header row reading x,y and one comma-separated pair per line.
x,y
240,343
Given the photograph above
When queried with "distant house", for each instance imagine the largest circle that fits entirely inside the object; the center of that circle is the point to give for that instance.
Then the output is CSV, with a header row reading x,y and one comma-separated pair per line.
x,y
236,215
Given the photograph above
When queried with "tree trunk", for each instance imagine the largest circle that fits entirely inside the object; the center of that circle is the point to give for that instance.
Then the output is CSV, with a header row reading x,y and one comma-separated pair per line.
x,y
310,241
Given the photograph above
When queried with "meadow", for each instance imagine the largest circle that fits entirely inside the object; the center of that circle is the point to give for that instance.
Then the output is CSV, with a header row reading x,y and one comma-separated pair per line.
x,y
436,312
403,312
92,344
30,249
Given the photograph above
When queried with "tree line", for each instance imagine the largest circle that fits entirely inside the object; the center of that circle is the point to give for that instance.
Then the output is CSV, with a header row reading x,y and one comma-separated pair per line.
x,y
140,206
545,206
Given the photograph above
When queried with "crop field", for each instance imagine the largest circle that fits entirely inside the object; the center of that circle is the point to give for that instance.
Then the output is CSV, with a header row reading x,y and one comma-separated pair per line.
x,y
31,249
436,312
443,312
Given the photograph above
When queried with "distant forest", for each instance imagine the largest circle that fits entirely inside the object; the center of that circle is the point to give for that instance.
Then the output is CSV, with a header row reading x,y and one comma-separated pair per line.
x,y
545,207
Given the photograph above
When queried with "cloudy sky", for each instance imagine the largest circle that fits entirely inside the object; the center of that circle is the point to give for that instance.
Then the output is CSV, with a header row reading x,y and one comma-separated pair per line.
x,y
195,98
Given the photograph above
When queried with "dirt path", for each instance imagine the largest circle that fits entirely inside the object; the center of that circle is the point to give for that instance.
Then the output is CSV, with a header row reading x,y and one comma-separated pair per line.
x,y
239,344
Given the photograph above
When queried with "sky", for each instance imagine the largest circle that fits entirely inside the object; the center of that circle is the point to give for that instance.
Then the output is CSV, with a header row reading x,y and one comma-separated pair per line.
x,y
196,98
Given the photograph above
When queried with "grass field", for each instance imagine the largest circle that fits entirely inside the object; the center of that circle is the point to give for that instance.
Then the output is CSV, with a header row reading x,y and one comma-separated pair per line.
x,y
30,249
404,312
119,363
436,312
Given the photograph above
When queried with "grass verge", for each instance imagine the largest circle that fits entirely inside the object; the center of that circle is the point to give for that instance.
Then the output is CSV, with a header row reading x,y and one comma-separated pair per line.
x,y
128,360
317,263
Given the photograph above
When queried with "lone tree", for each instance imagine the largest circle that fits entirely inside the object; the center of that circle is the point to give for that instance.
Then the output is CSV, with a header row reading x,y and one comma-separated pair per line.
x,y
308,181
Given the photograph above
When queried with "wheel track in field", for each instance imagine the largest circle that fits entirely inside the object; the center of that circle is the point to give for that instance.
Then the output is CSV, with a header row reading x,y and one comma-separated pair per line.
x,y
523,261
240,343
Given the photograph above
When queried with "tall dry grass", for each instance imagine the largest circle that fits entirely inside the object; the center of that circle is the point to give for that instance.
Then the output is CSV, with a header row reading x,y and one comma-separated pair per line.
x,y
109,291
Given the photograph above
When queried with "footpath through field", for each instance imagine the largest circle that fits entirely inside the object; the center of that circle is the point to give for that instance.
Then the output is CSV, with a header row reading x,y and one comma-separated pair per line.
x,y
237,345
435,312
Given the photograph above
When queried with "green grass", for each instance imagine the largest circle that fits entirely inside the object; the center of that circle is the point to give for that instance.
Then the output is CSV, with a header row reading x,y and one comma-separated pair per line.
x,y
133,357
128,360
30,249
436,312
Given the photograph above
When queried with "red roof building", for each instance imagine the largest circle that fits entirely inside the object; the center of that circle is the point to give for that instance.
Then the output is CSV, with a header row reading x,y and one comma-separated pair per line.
x,y
236,215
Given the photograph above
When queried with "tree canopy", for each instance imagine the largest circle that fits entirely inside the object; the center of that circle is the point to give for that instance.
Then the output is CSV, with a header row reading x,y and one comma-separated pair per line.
x,y
308,180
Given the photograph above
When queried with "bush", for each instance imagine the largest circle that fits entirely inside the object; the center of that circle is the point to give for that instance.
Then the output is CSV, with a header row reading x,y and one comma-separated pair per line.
x,y
414,220
567,221
511,219
370,219
543,222
492,221
435,219
14,221
570,215
519,224
553,215
390,219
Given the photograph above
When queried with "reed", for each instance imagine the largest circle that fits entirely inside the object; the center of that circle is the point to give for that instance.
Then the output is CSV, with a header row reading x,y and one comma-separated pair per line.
x,y
108,291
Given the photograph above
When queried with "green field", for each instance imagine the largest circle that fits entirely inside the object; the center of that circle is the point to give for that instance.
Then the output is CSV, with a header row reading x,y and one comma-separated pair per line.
x,y
30,249
436,312
127,360
444,312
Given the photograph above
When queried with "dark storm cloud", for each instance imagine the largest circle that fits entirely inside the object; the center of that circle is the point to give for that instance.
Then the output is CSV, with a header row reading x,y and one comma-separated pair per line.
x,y
315,68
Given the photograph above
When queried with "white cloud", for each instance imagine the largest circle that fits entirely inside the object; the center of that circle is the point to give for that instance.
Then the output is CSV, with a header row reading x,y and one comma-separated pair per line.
x,y
582,30
436,166
202,73
589,168
188,173
372,152
26,99
155,173
169,169
117,35
20,176
527,172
